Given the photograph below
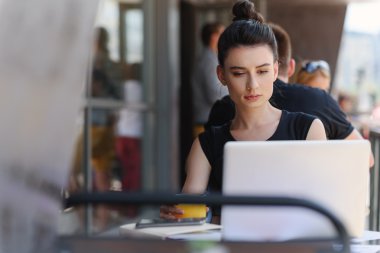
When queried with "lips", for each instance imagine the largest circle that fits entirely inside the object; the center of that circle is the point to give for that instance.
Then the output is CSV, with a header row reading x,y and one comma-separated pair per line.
x,y
252,97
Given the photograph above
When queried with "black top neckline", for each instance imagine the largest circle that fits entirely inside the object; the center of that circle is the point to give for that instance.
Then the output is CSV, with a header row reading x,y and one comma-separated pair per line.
x,y
230,136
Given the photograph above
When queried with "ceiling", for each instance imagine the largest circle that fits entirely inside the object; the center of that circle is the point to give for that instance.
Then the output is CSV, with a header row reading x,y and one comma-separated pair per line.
x,y
319,2
286,2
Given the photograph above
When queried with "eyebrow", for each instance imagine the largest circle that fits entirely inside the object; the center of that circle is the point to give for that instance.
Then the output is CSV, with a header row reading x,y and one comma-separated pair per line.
x,y
264,65
240,68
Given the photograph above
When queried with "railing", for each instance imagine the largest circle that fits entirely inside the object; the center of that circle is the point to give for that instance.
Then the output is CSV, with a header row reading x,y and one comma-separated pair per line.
x,y
374,215
211,199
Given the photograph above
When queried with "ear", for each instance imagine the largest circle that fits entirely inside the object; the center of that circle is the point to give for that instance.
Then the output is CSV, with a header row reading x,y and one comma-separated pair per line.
x,y
275,70
221,76
292,67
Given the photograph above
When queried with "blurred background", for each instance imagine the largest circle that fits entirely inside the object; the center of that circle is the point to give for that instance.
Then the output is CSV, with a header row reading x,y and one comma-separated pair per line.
x,y
136,128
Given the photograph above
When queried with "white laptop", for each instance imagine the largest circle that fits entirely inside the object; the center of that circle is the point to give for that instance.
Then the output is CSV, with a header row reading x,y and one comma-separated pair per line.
x,y
333,174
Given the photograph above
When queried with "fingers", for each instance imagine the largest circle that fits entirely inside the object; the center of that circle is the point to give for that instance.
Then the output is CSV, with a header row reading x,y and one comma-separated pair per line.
x,y
169,212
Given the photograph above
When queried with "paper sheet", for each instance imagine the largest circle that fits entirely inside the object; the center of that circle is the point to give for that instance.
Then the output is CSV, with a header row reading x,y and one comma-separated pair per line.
x,y
365,248
164,232
367,236
210,235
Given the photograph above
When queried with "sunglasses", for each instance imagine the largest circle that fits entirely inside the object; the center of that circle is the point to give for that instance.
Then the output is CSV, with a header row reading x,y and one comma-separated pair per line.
x,y
312,66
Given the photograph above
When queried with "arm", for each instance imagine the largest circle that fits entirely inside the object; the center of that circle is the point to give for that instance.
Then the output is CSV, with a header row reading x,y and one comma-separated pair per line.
x,y
198,171
355,135
316,131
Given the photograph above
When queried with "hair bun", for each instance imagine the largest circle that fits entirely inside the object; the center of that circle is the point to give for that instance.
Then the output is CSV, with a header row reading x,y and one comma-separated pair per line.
x,y
245,10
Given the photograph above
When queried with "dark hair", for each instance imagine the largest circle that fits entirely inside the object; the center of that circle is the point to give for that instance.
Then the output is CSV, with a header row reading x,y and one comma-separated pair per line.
x,y
284,47
248,29
208,30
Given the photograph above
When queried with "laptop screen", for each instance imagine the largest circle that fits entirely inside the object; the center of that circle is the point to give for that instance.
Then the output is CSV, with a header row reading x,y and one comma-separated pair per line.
x,y
333,174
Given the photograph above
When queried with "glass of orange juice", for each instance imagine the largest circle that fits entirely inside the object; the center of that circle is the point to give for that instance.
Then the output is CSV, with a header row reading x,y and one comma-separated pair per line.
x,y
192,210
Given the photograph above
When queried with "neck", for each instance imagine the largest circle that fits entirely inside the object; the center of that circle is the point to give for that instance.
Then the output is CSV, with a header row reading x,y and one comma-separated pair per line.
x,y
283,78
253,117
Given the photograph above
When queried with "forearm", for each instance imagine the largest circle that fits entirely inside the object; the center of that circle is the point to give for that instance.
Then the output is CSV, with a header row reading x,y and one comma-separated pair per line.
x,y
355,135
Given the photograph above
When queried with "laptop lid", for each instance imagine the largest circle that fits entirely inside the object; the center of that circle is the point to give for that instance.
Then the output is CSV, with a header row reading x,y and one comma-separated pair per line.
x,y
333,174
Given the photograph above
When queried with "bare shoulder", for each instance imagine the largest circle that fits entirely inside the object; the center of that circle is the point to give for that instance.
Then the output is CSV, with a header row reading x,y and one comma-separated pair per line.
x,y
316,131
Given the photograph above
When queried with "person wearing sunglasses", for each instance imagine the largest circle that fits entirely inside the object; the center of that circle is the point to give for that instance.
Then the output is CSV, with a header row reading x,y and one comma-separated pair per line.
x,y
315,74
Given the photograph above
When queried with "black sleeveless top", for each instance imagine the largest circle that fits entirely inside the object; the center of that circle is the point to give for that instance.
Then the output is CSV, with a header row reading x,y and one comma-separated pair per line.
x,y
293,98
292,126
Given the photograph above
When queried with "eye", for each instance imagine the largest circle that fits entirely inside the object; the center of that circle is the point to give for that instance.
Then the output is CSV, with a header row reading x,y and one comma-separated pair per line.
x,y
262,72
238,73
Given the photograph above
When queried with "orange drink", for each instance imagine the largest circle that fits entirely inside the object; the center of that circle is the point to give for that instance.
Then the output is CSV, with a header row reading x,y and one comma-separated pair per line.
x,y
192,211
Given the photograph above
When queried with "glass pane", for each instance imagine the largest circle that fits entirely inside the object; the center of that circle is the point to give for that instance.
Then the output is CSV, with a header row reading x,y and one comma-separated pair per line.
x,y
357,76
108,17
115,163
133,19
108,153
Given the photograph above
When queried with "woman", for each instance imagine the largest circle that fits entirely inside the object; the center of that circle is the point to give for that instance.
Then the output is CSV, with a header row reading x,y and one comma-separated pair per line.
x,y
248,66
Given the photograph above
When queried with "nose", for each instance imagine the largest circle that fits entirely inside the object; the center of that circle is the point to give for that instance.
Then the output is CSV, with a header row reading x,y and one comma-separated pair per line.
x,y
252,84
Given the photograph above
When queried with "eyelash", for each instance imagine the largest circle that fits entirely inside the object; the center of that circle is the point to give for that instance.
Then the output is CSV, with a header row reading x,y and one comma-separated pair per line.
x,y
260,72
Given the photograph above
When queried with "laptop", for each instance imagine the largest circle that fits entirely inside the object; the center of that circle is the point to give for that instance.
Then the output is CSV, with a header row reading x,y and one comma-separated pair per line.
x,y
333,174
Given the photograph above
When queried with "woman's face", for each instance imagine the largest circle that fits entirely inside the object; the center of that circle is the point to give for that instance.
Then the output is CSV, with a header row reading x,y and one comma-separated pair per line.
x,y
249,73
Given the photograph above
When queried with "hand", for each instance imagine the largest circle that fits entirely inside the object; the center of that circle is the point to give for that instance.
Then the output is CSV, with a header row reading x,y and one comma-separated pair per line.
x,y
170,212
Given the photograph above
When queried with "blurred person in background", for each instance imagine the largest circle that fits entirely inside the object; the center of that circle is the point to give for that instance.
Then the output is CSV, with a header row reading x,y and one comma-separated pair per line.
x,y
129,127
105,79
103,62
129,131
346,103
205,84
315,74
